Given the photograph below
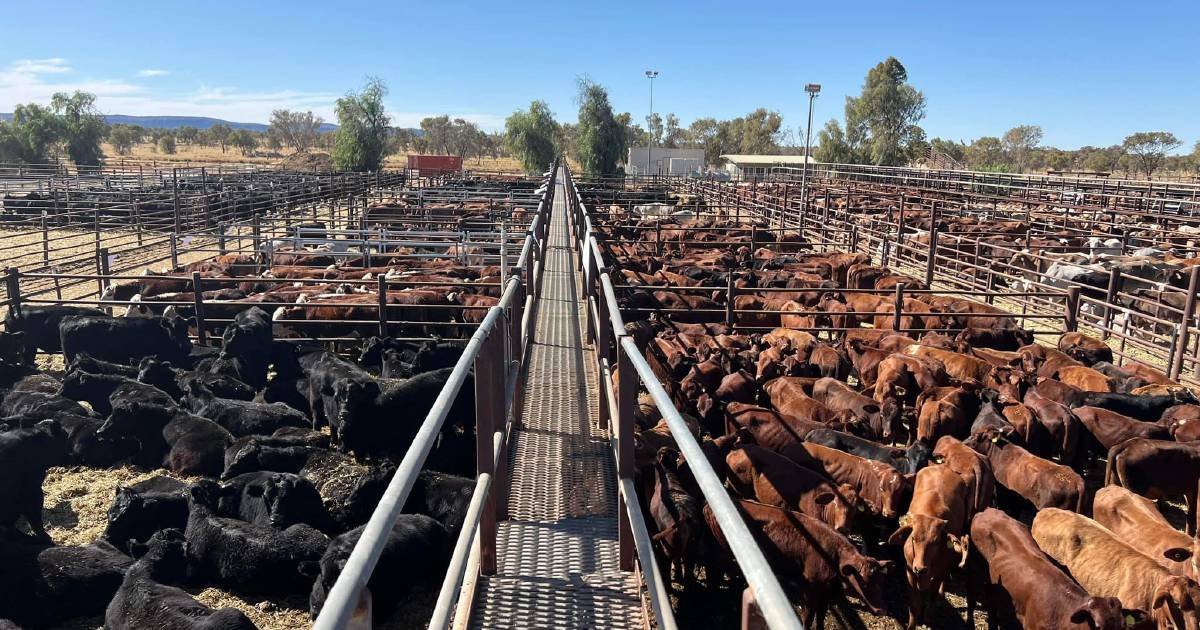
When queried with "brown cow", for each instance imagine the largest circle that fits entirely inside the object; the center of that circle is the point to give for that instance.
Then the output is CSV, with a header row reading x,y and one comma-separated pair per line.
x,y
946,411
1157,469
1107,567
881,421
1039,481
1183,421
1110,428
820,558
787,395
1138,523
1043,361
959,366
904,377
768,428
933,533
1084,348
884,490
971,466
865,360
676,514
1043,597
1085,378
768,477
1062,425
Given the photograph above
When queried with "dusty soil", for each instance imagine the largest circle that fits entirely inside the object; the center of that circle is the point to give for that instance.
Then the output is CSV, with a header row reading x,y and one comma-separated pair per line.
x,y
314,161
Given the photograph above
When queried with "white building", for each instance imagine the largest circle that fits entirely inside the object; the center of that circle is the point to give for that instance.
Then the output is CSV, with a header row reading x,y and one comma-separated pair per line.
x,y
748,166
664,161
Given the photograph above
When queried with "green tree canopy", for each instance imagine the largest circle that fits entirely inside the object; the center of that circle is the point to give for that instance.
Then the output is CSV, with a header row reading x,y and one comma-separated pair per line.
x,y
881,122
1148,149
31,135
1019,143
600,141
298,130
361,141
81,126
244,141
530,135
123,137
166,143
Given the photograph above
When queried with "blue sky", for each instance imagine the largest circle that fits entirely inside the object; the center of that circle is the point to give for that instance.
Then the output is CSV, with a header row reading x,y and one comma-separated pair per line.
x,y
1088,73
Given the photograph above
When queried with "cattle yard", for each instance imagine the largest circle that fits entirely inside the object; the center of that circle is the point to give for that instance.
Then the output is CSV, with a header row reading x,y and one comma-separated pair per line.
x,y
731,403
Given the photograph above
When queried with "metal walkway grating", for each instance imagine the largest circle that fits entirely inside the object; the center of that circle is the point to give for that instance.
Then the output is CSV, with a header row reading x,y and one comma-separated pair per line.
x,y
557,561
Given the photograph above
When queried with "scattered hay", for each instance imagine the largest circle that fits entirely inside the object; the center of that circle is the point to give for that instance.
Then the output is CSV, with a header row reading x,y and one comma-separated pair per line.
x,y
75,508
271,613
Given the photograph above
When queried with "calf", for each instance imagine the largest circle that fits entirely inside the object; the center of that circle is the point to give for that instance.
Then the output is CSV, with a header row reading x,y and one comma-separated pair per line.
x,y
1039,481
880,421
676,515
25,455
415,554
1148,408
125,339
47,585
1157,469
907,461
443,497
933,533
946,411
1107,567
144,601
274,499
1137,522
240,417
971,466
1109,428
1062,425
883,489
40,325
248,557
1042,595
142,509
771,478
820,558
248,339
1085,349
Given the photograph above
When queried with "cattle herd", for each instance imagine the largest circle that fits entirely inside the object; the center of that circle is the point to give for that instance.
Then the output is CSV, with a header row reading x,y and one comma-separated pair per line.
x,y
273,450
946,445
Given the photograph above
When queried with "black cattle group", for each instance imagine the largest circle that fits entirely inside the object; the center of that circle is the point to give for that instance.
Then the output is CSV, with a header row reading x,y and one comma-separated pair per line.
x,y
278,504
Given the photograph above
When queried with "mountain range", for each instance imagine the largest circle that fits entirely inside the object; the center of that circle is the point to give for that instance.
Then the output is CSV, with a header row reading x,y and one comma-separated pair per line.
x,y
174,122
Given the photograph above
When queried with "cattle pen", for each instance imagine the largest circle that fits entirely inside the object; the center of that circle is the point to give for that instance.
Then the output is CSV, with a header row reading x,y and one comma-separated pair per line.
x,y
628,345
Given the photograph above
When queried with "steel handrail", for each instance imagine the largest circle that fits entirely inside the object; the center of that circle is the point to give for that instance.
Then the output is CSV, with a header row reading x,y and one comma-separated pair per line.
x,y
773,602
343,598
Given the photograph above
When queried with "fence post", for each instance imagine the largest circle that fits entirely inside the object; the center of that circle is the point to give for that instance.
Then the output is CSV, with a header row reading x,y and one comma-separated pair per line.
x,y
12,281
1189,310
729,295
627,389
753,239
485,409
46,240
898,305
932,254
1114,285
198,302
221,239
175,197
1071,316
383,305
603,339
102,268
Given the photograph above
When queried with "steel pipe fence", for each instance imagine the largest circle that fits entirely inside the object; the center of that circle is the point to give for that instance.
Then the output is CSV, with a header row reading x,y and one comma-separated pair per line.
x,y
973,262
496,353
617,353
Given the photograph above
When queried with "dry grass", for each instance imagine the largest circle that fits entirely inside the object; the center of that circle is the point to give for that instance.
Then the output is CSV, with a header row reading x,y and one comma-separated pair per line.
x,y
147,154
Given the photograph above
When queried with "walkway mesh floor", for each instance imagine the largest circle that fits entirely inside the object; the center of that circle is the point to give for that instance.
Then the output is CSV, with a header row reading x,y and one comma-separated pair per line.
x,y
557,557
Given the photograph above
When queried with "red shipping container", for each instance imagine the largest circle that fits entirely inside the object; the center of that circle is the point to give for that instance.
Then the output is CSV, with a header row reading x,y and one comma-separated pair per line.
x,y
434,165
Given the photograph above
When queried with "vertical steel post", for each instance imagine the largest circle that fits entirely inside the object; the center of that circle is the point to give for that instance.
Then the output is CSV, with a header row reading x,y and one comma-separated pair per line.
x,y
1071,308
898,305
12,281
627,389
1189,311
485,410
198,301
383,314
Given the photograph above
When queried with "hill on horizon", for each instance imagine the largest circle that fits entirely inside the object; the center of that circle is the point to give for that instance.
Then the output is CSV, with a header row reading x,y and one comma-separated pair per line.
x,y
199,122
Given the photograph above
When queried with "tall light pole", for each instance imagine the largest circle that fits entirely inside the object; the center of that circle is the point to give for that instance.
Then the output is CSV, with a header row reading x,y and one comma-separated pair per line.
x,y
650,74
813,90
